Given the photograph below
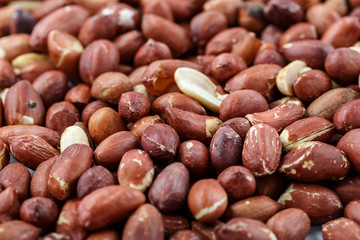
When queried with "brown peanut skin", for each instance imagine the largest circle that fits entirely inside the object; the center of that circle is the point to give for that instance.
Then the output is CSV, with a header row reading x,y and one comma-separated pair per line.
x,y
298,31
320,203
348,189
97,27
136,170
90,109
157,7
348,27
206,231
109,86
93,61
259,77
92,179
110,151
306,129
251,16
16,175
119,11
151,51
247,48
195,156
68,19
312,52
238,182
203,194
283,13
271,34
22,100
205,25
47,134
271,185
61,115
341,228
239,124
192,126
39,211
4,155
56,236
20,230
15,45
177,100
163,30
226,65
68,221
244,228
51,86
133,106
105,122
174,223
160,141
46,7
9,205
167,193
79,95
127,44
33,70
326,104
7,75
64,51
224,40
314,161
145,223
259,208
291,223
227,7
262,150
140,125
242,102
31,150
184,10
105,234
185,234
159,75
38,184
225,149
270,56
311,84
278,117
352,211
349,143
94,213
67,170
341,65
347,116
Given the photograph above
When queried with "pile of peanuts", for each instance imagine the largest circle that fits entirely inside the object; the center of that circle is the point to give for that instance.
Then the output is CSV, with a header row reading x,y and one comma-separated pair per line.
x,y
179,119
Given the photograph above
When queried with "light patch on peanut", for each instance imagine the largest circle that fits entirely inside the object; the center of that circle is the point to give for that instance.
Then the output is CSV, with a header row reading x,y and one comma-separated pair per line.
x,y
211,126
208,210
146,182
270,234
73,135
62,220
126,18
308,165
2,53
137,161
286,196
189,145
26,120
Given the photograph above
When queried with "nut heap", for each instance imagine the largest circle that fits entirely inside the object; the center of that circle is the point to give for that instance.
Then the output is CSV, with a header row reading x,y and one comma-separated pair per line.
x,y
168,119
